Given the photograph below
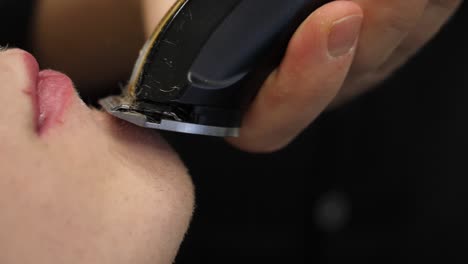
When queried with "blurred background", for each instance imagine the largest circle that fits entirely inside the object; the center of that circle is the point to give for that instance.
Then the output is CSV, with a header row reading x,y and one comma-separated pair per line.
x,y
382,179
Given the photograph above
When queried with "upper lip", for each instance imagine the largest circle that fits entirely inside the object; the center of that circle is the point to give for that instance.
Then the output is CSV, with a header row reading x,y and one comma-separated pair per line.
x,y
32,72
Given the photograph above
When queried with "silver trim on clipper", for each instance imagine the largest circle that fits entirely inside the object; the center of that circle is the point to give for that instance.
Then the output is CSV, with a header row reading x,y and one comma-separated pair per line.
x,y
116,106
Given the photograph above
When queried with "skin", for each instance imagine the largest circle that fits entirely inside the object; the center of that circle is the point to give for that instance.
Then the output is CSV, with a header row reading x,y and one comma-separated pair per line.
x,y
82,187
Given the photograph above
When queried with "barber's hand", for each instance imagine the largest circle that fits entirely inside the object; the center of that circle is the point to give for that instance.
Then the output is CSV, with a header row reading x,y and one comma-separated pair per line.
x,y
340,51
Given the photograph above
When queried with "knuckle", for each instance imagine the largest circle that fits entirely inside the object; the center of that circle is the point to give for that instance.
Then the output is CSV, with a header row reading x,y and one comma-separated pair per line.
x,y
385,30
277,97
274,91
396,15
403,22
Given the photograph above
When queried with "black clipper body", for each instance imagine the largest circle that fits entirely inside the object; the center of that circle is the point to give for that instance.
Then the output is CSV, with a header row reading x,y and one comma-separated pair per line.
x,y
206,61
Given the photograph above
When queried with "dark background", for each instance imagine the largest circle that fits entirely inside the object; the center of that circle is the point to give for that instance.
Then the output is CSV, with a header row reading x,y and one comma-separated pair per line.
x,y
382,180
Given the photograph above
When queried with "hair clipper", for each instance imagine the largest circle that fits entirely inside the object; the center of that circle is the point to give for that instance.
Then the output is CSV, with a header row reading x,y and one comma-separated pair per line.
x,y
205,62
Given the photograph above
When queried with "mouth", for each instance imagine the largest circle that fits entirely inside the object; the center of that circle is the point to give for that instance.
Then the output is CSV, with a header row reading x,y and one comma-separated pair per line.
x,y
52,94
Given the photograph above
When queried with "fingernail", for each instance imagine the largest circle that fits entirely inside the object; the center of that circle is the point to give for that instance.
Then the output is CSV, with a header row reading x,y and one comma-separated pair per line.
x,y
343,35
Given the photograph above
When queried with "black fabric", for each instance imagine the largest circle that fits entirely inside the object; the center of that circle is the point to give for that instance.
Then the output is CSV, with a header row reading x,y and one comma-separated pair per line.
x,y
15,18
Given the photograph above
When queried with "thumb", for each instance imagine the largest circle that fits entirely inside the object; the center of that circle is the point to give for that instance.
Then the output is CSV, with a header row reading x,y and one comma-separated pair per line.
x,y
313,70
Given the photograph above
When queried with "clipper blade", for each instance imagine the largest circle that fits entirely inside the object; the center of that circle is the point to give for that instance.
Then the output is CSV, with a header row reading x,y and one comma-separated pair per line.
x,y
160,118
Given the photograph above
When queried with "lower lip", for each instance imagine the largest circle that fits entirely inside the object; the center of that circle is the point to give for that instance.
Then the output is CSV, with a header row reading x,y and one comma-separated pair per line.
x,y
54,93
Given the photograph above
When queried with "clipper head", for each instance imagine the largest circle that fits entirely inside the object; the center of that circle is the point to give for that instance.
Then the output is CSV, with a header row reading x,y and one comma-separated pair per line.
x,y
162,117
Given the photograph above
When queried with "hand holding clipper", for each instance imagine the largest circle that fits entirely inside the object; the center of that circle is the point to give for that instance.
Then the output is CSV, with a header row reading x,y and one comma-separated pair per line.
x,y
205,62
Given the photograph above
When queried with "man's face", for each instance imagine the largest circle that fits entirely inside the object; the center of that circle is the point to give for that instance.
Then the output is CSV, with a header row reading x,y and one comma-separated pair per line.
x,y
76,184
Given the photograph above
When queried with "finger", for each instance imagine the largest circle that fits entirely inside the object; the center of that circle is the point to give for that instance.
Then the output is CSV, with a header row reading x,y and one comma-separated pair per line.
x,y
435,16
18,76
386,24
315,65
